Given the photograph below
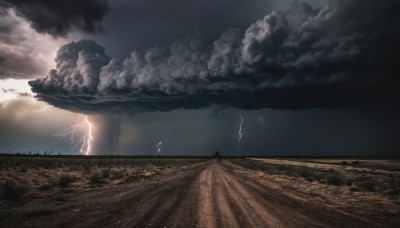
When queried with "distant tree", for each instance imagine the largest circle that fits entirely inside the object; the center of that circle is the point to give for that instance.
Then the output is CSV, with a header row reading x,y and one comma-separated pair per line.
x,y
217,154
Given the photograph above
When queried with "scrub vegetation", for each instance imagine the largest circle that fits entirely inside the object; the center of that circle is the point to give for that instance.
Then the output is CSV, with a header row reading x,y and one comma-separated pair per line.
x,y
27,177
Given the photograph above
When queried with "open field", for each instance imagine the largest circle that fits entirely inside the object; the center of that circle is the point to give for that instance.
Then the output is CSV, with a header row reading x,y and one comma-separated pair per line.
x,y
198,192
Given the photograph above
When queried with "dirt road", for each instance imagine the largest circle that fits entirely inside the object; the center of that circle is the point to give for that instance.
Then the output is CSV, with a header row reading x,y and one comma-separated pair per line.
x,y
210,195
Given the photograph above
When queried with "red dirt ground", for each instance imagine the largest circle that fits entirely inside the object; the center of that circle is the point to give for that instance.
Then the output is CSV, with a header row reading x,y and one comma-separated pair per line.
x,y
210,195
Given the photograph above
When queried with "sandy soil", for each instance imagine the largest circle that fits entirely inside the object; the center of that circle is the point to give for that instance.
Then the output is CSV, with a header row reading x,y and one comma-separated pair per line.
x,y
209,195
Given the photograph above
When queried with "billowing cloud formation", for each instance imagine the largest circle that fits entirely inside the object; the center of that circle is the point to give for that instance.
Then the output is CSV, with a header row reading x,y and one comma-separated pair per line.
x,y
57,18
303,58
22,50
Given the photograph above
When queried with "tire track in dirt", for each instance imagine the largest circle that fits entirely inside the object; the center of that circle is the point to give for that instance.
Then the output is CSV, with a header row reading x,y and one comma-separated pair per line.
x,y
305,211
246,202
275,212
218,212
169,204
243,208
162,201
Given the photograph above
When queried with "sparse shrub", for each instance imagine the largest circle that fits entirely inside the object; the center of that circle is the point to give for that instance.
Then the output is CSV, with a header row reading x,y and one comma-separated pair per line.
x,y
349,182
35,181
343,163
105,173
87,167
39,210
368,185
95,178
12,192
130,178
395,184
360,178
116,174
319,177
334,179
58,195
354,189
45,187
391,212
310,178
355,163
65,180
305,173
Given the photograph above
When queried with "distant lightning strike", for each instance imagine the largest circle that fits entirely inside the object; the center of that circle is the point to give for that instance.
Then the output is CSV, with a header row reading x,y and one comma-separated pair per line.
x,y
159,147
74,136
240,129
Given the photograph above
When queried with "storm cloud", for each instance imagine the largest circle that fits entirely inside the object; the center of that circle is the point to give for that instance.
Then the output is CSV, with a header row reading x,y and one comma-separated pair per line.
x,y
58,18
22,53
342,55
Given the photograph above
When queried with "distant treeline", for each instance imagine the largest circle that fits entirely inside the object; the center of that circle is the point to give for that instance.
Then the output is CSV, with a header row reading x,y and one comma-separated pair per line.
x,y
29,153
107,156
49,153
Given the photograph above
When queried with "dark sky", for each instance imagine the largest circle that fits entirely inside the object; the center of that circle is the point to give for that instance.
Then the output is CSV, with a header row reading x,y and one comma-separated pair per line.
x,y
307,77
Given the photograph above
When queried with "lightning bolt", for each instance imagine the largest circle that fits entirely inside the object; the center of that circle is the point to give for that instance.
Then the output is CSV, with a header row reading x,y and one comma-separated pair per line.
x,y
159,147
88,139
240,129
73,134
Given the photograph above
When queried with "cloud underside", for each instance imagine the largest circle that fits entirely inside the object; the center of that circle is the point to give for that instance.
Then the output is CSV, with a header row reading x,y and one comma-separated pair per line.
x,y
58,18
22,53
302,58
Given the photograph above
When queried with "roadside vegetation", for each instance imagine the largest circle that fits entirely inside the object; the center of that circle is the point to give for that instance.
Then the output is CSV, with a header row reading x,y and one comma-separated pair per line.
x,y
353,174
29,177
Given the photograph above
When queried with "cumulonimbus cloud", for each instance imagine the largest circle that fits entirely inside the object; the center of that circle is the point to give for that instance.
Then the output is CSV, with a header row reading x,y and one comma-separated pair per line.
x,y
57,18
301,58
22,53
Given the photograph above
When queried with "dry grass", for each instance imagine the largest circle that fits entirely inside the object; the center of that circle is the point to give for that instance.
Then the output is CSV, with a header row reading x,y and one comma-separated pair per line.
x,y
27,177
38,211
358,175
356,186
341,183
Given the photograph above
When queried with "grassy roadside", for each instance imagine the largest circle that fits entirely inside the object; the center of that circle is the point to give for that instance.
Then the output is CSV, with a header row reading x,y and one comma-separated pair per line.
x,y
24,178
365,180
